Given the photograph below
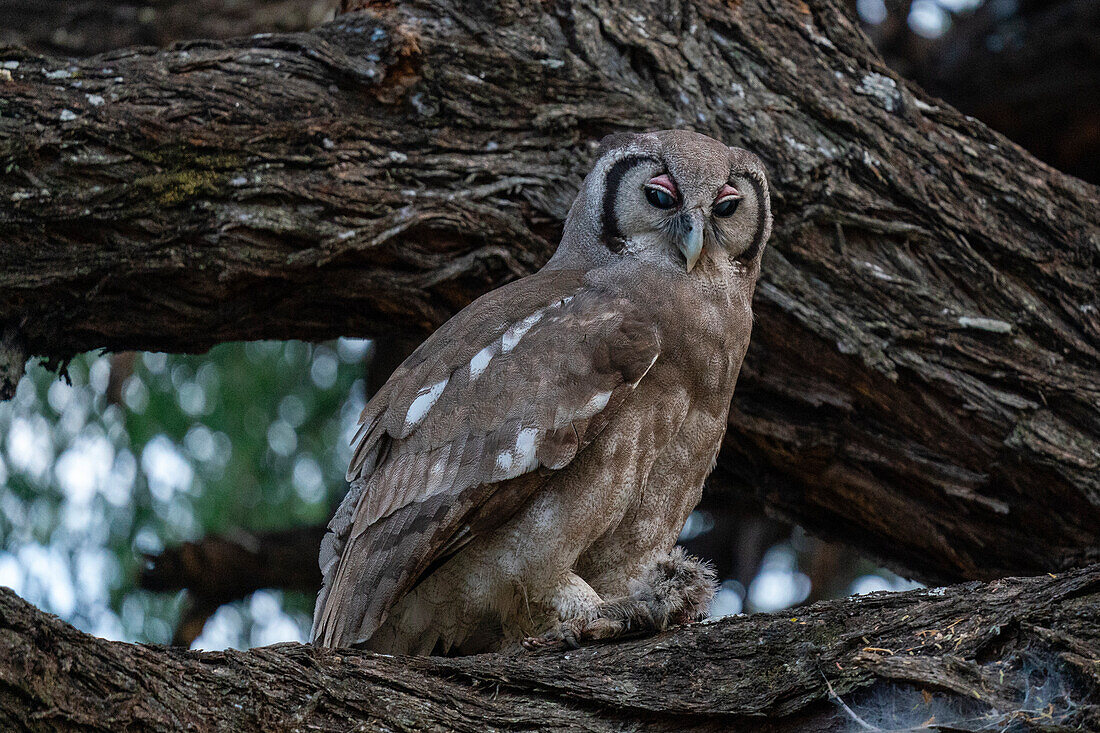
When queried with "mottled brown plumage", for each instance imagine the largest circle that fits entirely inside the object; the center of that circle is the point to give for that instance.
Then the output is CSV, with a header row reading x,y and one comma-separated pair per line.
x,y
528,468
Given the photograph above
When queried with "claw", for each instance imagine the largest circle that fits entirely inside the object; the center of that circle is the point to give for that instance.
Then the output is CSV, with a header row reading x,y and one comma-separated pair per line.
x,y
537,644
568,635
533,643
551,640
673,590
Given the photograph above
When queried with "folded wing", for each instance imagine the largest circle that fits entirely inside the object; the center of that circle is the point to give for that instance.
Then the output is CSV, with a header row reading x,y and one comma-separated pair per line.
x,y
500,397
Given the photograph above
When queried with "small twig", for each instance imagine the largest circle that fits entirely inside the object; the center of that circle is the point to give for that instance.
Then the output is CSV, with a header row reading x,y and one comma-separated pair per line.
x,y
844,706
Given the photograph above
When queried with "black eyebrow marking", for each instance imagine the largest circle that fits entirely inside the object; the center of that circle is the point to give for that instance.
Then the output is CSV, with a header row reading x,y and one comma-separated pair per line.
x,y
761,218
610,232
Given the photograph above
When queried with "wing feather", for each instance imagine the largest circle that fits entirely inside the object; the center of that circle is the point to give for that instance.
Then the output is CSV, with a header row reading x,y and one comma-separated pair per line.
x,y
522,379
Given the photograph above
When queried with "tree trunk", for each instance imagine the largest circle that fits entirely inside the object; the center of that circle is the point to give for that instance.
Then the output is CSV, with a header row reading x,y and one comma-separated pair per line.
x,y
923,378
1019,651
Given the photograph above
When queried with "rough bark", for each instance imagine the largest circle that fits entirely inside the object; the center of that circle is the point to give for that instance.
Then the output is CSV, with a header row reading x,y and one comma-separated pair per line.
x,y
1019,651
922,382
86,27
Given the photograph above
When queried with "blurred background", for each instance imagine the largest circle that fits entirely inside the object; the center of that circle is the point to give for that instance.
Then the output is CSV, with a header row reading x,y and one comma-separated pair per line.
x,y
143,451
180,499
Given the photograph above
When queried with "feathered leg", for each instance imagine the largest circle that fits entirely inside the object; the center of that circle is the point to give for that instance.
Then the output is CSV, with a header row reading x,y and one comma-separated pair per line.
x,y
675,589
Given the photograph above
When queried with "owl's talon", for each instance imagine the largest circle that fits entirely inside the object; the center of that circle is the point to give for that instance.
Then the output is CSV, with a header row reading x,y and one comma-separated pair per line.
x,y
533,643
552,640
539,644
569,634
675,589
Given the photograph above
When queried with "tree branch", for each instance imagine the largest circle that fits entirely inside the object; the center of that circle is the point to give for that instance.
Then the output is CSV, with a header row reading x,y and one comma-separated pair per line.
x,y
922,382
1015,650
225,567
221,568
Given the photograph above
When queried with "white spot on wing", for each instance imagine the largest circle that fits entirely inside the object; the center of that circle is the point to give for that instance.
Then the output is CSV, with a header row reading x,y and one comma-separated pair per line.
x,y
480,361
516,332
525,449
518,460
425,398
594,405
436,475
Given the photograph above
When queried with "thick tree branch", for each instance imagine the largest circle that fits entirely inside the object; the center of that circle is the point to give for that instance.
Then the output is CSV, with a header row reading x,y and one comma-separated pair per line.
x,y
1016,650
923,377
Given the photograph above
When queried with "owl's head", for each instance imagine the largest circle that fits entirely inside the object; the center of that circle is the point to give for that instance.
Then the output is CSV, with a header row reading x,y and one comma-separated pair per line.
x,y
670,199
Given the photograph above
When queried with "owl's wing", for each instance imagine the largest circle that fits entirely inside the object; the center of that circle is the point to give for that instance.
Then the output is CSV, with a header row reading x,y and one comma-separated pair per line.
x,y
513,387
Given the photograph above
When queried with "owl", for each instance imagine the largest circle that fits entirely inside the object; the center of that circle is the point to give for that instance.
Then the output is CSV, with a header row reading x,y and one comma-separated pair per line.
x,y
523,476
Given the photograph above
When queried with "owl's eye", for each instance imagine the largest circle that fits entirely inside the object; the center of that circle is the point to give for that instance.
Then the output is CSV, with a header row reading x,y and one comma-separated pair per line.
x,y
726,202
725,207
660,191
660,197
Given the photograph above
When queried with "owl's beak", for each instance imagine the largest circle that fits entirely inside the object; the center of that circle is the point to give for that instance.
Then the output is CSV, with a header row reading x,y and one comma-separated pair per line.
x,y
692,243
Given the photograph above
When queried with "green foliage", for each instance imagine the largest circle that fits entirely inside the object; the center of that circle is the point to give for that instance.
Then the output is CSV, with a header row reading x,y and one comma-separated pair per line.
x,y
249,436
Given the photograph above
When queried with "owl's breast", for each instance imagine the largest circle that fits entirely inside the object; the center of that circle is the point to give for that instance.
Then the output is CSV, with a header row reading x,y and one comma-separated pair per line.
x,y
707,341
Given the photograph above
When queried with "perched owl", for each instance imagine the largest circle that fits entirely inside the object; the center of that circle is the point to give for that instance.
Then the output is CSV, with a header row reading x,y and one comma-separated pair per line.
x,y
524,474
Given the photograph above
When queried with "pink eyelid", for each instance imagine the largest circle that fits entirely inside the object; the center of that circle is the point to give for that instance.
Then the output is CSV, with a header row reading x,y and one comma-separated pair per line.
x,y
727,191
663,181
